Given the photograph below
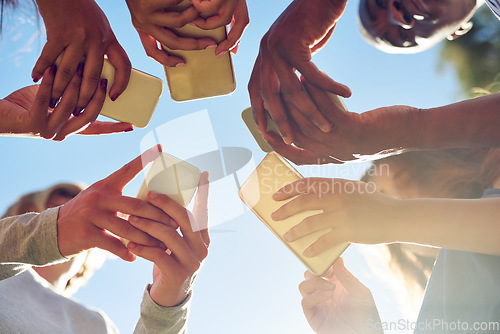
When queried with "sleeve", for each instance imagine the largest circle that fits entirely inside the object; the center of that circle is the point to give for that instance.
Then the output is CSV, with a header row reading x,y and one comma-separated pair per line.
x,y
162,320
28,239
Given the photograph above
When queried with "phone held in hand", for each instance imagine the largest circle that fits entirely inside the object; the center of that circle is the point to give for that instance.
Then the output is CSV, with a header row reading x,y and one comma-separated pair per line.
x,y
273,173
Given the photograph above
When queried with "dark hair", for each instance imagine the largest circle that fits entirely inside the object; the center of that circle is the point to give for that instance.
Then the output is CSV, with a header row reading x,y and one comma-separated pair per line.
x,y
13,4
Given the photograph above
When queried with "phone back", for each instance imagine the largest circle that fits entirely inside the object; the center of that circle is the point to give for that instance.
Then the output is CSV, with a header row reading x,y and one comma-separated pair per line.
x,y
272,174
137,103
173,177
204,75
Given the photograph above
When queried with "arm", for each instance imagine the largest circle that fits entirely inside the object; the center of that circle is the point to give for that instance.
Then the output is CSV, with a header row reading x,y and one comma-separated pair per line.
x,y
354,211
38,245
391,130
302,29
337,302
176,262
27,112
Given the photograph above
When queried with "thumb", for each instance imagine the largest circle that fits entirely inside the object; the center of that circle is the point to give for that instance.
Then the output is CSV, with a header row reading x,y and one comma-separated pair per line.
x,y
349,281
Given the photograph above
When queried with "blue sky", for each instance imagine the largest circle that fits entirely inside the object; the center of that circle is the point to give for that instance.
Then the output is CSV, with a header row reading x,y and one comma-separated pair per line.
x,y
249,281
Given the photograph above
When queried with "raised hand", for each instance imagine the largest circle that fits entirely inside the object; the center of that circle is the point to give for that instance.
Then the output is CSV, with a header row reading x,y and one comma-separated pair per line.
x,y
179,258
94,217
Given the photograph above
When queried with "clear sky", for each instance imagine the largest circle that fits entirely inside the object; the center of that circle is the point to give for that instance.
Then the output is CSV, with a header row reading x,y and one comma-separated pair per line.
x,y
249,281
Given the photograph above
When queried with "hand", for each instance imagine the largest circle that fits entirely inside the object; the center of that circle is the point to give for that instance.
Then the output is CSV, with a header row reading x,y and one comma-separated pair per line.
x,y
154,21
175,268
338,303
303,28
218,13
88,220
26,111
352,211
81,30
367,136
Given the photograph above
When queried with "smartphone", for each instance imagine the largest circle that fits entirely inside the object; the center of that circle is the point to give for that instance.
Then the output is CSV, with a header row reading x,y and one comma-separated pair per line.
x,y
204,75
138,102
247,116
273,173
173,177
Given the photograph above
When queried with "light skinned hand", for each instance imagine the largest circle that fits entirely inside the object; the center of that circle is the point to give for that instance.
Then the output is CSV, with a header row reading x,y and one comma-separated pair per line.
x,y
27,112
154,21
94,217
338,303
175,268
82,31
218,13
352,211
302,29
356,136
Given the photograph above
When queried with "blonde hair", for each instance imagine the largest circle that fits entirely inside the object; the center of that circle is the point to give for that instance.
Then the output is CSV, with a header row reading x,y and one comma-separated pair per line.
x,y
37,202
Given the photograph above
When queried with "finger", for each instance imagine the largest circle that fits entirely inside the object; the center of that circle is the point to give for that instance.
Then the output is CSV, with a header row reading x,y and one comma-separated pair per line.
x,y
314,284
325,242
311,301
65,107
119,59
50,52
154,254
292,90
270,84
140,208
208,7
307,226
301,203
66,70
296,154
169,39
122,228
151,47
321,80
349,281
332,109
309,185
99,128
124,175
40,107
112,244
171,238
318,46
91,77
173,19
86,118
180,214
256,101
239,23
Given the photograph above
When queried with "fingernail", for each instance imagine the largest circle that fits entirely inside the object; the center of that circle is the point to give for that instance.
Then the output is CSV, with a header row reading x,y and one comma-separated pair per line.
x,y
104,84
152,195
308,253
287,237
275,215
129,129
211,46
36,79
180,64
220,54
287,140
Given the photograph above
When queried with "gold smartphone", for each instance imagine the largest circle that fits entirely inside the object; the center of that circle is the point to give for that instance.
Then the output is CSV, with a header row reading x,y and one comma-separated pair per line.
x,y
247,116
273,173
173,177
204,75
138,102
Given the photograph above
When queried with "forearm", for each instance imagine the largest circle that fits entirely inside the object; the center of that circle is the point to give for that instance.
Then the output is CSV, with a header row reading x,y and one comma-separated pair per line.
x,y
470,123
470,225
29,239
